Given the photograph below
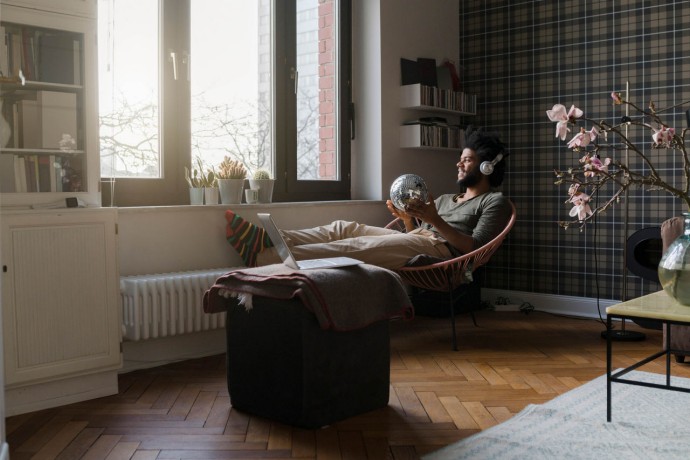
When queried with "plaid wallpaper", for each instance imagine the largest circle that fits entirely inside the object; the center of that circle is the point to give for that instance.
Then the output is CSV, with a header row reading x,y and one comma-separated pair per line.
x,y
523,57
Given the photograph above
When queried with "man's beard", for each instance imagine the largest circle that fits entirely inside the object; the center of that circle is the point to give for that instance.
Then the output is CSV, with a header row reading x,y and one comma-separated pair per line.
x,y
471,179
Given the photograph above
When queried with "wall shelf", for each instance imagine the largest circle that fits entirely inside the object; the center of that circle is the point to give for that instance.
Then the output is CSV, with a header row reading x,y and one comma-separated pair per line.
x,y
427,133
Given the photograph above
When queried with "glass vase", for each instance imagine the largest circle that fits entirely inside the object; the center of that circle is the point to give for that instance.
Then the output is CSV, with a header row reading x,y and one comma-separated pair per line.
x,y
674,267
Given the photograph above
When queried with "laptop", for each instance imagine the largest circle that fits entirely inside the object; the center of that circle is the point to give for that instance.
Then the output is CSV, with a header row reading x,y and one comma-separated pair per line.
x,y
289,260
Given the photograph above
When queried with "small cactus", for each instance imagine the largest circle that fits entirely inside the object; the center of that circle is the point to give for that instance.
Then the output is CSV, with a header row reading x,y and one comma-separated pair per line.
x,y
200,175
231,169
260,174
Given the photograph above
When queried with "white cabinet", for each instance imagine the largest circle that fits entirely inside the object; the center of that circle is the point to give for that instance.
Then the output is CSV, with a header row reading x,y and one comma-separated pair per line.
x,y
49,100
60,306
432,129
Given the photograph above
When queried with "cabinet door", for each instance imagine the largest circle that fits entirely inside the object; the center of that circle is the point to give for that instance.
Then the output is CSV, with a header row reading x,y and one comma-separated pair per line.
x,y
48,107
60,294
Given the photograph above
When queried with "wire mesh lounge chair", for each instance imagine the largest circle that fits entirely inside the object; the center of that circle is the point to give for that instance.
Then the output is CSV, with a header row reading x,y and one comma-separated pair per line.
x,y
447,276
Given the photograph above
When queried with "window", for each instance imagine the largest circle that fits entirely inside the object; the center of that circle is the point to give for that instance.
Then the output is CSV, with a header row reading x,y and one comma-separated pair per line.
x,y
264,82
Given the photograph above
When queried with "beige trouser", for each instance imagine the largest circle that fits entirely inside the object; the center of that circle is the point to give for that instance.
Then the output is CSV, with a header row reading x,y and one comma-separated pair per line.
x,y
374,245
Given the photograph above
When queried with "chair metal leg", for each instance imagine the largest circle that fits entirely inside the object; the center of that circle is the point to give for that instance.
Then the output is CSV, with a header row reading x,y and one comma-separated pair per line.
x,y
474,319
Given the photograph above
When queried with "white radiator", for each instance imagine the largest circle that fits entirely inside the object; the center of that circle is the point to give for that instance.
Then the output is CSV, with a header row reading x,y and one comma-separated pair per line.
x,y
167,304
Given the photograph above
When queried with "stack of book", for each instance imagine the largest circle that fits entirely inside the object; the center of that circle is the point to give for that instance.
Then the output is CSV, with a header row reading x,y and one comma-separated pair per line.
x,y
431,132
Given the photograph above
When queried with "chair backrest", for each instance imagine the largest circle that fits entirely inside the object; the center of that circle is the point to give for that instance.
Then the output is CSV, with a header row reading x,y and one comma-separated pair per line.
x,y
450,273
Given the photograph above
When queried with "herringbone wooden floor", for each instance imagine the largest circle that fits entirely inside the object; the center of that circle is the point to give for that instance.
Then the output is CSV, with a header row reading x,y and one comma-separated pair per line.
x,y
182,411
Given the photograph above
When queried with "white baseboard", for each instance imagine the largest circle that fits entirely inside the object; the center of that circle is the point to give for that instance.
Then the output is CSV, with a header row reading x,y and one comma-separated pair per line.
x,y
144,354
30,398
585,307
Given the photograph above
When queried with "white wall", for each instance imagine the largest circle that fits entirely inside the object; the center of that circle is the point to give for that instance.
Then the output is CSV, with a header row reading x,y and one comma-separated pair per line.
x,y
178,238
384,31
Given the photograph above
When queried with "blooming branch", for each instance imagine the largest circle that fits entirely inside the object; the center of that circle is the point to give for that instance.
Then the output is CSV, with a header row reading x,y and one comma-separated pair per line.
x,y
593,173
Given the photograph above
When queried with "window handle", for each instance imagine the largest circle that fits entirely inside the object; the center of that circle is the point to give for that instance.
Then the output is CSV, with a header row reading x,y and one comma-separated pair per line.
x,y
172,57
294,74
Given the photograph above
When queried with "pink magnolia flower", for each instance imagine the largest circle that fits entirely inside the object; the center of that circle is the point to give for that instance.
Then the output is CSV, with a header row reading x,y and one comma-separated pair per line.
x,y
593,166
616,98
663,137
580,139
559,115
594,133
581,207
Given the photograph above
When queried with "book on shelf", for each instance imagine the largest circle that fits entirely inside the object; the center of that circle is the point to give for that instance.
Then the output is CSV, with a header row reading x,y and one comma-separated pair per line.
x,y
4,56
31,173
433,136
56,58
444,79
409,71
31,168
15,53
20,173
427,71
422,71
8,181
436,121
419,95
46,174
28,54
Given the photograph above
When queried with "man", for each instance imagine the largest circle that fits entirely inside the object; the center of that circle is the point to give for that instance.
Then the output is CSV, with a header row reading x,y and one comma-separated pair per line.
x,y
451,225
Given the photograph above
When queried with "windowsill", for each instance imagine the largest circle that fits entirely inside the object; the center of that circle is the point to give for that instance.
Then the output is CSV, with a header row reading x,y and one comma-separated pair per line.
x,y
250,207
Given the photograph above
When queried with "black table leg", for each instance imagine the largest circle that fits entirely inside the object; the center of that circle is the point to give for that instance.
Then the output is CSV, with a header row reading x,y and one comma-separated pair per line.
x,y
608,368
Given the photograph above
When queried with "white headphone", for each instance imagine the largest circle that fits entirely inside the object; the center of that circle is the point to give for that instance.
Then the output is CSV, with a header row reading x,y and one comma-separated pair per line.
x,y
487,167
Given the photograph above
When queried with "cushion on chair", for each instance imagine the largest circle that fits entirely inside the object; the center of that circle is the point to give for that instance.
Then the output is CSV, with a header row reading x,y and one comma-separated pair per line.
x,y
422,260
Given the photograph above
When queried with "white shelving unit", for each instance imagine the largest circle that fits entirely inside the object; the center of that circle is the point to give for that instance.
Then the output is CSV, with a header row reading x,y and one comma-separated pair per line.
x,y
430,101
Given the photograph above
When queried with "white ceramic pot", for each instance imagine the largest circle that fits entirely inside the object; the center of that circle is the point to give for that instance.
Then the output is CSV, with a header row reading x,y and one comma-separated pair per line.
x,y
265,187
196,195
211,195
231,190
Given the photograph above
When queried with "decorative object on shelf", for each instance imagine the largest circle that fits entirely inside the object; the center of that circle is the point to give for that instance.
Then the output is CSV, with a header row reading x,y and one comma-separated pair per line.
x,y
263,182
231,175
67,143
595,175
251,196
406,188
674,267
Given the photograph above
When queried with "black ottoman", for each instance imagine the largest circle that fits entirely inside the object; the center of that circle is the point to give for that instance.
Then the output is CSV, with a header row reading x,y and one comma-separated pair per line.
x,y
283,366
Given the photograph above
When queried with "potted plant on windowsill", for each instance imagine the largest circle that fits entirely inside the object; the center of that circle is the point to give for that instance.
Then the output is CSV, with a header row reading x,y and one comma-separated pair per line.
x,y
196,188
261,180
231,175
203,184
